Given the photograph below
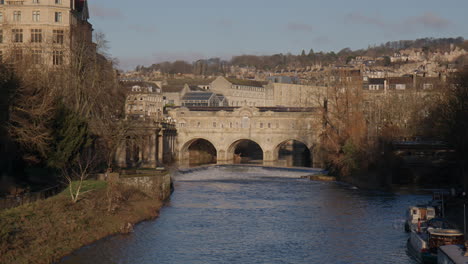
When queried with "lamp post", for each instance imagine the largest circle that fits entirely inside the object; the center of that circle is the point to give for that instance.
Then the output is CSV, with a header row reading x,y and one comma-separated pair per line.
x,y
464,214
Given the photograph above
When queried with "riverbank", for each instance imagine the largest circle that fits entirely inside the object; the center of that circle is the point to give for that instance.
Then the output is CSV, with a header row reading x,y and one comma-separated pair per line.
x,y
45,231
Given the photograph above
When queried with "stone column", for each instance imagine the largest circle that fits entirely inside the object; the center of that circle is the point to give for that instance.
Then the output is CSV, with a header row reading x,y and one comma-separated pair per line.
x,y
268,157
151,151
121,155
160,147
140,150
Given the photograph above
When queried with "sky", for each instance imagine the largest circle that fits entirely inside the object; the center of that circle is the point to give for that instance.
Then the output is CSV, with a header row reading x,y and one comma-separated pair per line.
x,y
143,32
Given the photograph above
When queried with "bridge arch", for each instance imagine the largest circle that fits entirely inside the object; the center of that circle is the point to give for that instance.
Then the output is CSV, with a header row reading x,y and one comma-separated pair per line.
x,y
293,152
245,151
198,151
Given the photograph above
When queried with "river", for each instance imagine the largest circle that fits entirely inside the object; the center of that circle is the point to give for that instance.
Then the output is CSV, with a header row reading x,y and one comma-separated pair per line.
x,y
256,215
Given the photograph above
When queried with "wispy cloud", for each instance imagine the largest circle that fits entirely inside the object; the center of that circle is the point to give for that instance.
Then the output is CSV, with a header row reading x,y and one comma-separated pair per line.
x,y
322,40
429,20
102,12
410,24
143,28
363,19
224,23
299,27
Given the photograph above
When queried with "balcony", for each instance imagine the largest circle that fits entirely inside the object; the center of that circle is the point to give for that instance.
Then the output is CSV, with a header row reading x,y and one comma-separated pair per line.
x,y
17,2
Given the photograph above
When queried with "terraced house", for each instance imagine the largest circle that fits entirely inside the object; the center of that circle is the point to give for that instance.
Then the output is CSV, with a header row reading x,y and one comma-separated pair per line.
x,y
43,31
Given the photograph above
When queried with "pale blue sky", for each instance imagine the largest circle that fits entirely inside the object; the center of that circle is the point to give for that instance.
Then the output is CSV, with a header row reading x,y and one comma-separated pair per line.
x,y
148,31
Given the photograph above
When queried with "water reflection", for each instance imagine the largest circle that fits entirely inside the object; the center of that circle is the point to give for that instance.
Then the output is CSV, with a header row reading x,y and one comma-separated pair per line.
x,y
253,215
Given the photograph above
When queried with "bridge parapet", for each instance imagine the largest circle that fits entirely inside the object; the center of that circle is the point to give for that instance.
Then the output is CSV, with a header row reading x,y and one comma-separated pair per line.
x,y
225,127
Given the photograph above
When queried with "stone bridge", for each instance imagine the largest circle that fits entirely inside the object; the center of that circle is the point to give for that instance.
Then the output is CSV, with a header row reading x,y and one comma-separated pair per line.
x,y
227,127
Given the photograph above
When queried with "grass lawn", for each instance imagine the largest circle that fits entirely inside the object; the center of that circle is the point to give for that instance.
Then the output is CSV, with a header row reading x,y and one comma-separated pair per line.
x,y
45,231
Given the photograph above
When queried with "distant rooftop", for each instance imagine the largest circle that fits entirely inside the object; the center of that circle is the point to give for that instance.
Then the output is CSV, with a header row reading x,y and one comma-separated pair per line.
x,y
246,82
197,96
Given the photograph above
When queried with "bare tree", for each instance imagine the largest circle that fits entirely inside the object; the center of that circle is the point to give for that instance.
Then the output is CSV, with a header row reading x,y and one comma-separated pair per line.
x,y
77,172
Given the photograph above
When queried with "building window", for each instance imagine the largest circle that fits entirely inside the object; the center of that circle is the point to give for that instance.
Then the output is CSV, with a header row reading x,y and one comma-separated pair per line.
x,y
426,86
1,36
58,2
57,57
58,17
1,17
58,36
36,57
35,1
36,16
400,87
1,56
17,55
36,35
17,16
214,124
17,35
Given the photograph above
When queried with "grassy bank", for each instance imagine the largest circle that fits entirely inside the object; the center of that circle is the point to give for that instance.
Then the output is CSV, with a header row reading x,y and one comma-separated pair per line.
x,y
45,231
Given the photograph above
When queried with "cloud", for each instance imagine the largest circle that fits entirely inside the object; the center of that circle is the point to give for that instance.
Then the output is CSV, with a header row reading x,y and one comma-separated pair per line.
x,y
362,19
224,23
407,25
299,27
321,40
429,20
102,12
143,28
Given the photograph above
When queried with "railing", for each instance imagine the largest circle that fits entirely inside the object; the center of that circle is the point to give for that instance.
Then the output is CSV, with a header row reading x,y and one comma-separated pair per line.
x,y
18,2
11,202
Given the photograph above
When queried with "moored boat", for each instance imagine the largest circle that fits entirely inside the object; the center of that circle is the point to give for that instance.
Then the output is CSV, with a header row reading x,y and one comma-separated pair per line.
x,y
420,213
424,245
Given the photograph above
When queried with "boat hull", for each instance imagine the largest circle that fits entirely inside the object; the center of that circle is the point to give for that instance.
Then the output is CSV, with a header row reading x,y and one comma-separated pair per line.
x,y
415,250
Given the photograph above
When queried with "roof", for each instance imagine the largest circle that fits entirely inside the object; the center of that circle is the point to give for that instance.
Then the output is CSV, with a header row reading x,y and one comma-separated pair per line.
x,y
197,96
195,88
246,82
400,80
376,81
172,88
455,253
189,81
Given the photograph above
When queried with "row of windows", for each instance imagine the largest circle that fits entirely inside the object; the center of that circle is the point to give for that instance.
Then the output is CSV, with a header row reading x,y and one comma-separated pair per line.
x,y
236,125
36,36
36,56
249,88
240,103
57,2
36,16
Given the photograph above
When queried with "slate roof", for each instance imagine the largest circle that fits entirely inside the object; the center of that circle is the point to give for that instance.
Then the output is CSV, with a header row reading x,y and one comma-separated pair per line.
x,y
189,81
246,82
377,81
197,96
172,88
400,80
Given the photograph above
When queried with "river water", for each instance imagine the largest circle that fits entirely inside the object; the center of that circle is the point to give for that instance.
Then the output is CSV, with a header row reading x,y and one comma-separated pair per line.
x,y
255,215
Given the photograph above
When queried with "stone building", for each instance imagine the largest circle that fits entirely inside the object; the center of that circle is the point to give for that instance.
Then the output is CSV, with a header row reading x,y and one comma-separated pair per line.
x,y
144,101
41,31
296,95
243,92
